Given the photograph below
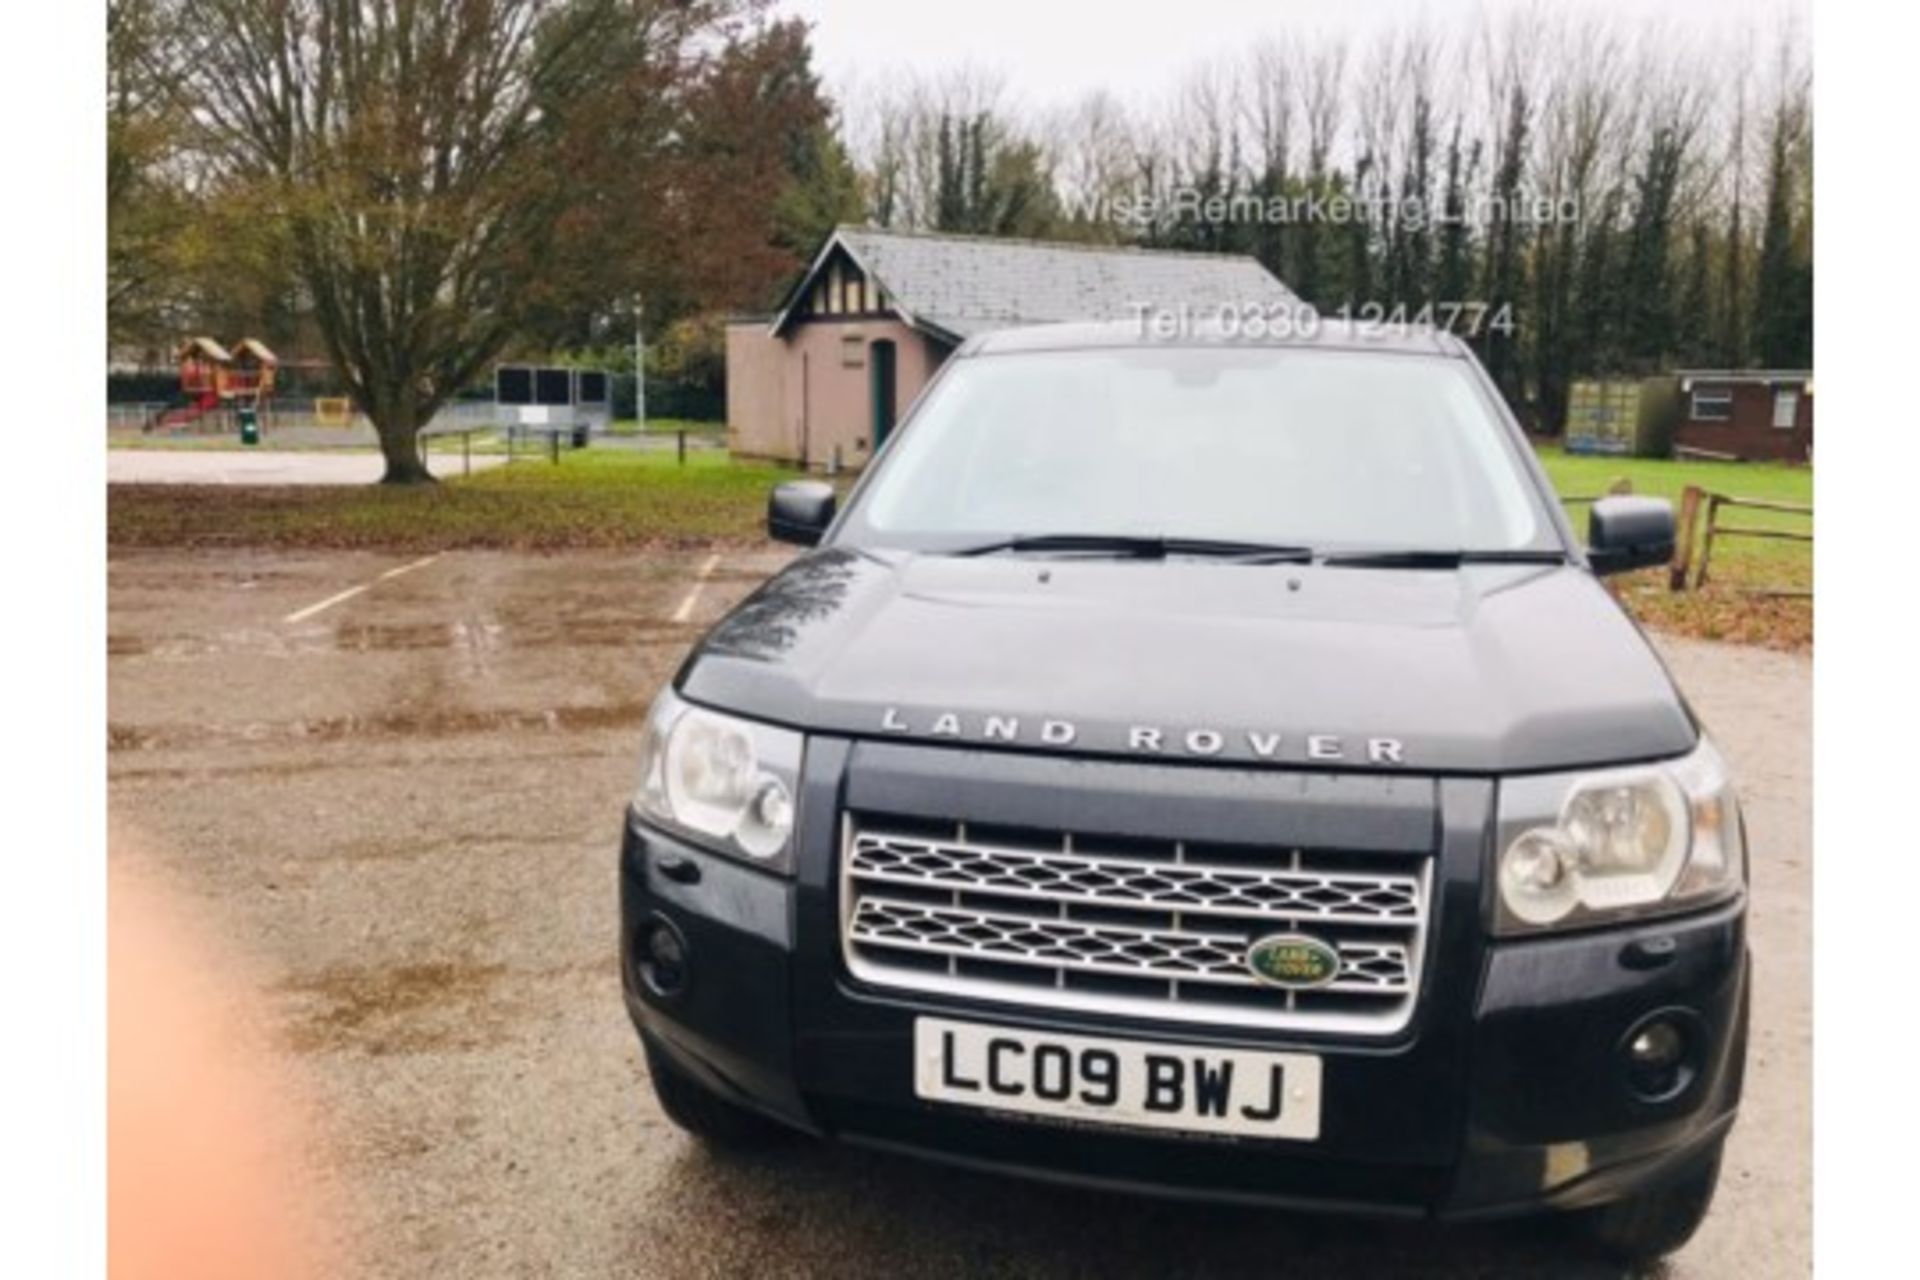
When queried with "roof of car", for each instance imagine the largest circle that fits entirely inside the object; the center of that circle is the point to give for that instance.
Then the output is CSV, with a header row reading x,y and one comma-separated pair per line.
x,y
1174,330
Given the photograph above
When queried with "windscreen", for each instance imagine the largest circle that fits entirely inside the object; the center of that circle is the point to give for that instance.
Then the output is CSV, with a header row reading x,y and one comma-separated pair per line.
x,y
1328,449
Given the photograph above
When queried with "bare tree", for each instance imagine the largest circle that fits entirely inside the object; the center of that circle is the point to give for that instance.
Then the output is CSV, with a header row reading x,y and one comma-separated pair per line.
x,y
426,163
899,137
1511,95
1595,180
1268,102
1322,81
1581,116
1734,271
1203,148
1092,149
149,205
954,152
1783,281
877,125
1270,97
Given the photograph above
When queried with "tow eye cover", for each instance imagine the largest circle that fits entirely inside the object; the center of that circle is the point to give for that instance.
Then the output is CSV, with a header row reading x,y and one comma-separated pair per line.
x,y
1293,960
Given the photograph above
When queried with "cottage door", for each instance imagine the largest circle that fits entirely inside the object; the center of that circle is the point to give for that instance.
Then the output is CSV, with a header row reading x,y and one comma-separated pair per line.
x,y
880,381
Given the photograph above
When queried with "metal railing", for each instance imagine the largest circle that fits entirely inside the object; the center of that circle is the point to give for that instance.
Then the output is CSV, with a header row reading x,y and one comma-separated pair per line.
x,y
130,416
281,414
465,434
305,424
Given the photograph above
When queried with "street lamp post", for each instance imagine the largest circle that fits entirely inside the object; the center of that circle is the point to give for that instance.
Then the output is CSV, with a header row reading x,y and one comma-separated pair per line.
x,y
639,365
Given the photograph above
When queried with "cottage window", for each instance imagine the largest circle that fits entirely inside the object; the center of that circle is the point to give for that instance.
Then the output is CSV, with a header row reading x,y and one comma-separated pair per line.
x,y
1786,407
1712,404
853,351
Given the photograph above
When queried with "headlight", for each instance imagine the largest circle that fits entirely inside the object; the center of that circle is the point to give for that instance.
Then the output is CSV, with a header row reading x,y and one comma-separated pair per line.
x,y
723,782
1578,849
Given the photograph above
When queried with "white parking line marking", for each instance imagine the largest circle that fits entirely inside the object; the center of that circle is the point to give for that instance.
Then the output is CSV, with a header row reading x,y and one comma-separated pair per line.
x,y
421,563
685,612
301,615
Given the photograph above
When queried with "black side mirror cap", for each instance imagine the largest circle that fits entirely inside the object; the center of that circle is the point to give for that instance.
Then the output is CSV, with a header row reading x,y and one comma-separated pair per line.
x,y
1626,533
799,512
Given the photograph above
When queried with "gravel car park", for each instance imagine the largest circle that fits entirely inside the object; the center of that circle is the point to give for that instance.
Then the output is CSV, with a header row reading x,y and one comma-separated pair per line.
x,y
383,782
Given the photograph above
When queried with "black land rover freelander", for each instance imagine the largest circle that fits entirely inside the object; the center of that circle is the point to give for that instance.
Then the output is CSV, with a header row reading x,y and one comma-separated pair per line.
x,y
1204,766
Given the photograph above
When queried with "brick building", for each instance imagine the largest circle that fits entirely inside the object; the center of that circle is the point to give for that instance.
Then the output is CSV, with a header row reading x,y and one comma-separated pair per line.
x,y
1752,414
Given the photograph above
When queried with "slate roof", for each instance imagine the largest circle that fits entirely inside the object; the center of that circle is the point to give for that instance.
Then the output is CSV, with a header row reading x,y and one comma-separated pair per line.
x,y
956,286
1326,335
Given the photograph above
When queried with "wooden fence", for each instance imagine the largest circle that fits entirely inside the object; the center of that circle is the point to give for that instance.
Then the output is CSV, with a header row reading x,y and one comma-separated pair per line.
x,y
1700,527
1621,486
1700,524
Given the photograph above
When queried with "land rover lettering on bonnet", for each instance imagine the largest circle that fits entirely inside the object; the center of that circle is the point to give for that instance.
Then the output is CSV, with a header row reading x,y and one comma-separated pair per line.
x,y
1205,766
1147,739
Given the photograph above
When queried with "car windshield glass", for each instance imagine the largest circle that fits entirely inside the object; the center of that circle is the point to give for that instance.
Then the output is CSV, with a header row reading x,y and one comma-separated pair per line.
x,y
1331,450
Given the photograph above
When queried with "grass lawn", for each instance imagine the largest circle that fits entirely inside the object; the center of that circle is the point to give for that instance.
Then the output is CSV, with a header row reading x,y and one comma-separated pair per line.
x,y
593,498
665,427
1725,610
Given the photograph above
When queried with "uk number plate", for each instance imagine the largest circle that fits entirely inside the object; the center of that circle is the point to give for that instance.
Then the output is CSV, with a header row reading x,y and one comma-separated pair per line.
x,y
1192,1088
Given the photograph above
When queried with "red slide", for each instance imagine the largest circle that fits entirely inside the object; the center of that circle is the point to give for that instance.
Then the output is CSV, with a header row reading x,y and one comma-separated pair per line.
x,y
192,412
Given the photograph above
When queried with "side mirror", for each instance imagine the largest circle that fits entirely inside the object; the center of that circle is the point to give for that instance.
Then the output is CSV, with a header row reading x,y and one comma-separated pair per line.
x,y
799,511
1625,533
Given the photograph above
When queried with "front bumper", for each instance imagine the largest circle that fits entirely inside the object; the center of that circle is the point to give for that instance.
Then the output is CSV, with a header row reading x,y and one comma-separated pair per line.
x,y
1509,1092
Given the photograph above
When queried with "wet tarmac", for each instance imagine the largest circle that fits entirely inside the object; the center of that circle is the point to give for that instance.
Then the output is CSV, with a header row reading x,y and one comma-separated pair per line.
x,y
402,811
265,466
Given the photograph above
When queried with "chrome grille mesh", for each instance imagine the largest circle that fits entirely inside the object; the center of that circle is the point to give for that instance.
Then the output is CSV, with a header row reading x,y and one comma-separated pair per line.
x,y
1364,966
1054,922
1347,898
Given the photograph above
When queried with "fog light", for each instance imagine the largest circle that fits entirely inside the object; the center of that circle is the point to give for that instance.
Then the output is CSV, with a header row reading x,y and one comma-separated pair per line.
x,y
1660,1057
665,964
1658,1046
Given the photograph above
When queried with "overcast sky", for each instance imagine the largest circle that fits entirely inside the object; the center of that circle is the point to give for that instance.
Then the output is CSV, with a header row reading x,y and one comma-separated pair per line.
x,y
1052,50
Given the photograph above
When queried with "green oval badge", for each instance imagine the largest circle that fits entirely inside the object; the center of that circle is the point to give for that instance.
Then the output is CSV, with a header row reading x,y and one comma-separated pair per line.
x,y
1293,960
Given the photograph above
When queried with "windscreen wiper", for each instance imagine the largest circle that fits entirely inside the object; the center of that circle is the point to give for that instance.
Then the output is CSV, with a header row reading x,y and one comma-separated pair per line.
x,y
1143,547
1439,559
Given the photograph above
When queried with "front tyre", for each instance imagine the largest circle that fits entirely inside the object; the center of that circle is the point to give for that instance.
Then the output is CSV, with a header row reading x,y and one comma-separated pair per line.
x,y
700,1111
1653,1223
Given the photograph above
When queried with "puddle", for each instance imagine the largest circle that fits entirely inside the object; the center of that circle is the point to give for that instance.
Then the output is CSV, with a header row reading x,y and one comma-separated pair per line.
x,y
585,633
127,644
464,844
397,1009
396,724
281,770
126,573
595,633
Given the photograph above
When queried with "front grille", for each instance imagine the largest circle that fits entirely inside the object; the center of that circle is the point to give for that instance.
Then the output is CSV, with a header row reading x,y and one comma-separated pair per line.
x,y
1146,928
